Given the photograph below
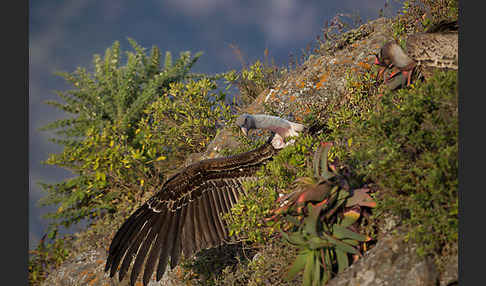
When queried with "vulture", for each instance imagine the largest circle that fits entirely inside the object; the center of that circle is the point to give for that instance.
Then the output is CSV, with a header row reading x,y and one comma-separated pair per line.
x,y
185,215
437,48
391,54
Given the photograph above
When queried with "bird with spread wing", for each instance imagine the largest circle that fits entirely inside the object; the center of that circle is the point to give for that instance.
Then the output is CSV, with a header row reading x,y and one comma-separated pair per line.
x,y
185,215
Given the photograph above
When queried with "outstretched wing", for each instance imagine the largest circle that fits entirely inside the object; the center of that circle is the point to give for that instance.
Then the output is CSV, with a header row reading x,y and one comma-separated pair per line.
x,y
184,216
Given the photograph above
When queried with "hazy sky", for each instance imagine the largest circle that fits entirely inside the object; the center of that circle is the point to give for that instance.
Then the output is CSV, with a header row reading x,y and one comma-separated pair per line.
x,y
66,34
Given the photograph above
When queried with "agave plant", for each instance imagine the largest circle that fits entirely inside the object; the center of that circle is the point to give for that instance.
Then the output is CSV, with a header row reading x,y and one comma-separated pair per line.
x,y
321,214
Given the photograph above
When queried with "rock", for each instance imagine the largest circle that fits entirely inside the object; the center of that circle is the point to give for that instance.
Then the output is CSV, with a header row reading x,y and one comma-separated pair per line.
x,y
325,77
88,269
450,274
391,262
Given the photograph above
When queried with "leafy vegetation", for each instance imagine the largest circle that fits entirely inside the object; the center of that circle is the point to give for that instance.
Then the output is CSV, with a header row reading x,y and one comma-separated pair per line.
x,y
101,142
322,231
295,178
46,257
130,125
419,15
267,267
247,218
405,142
253,79
403,145
409,148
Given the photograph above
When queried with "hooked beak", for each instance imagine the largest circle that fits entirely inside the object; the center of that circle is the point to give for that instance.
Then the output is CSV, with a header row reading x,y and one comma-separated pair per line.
x,y
377,62
244,130
377,59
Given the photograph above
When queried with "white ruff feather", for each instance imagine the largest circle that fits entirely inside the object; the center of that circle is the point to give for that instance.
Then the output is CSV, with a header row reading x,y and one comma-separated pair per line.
x,y
278,125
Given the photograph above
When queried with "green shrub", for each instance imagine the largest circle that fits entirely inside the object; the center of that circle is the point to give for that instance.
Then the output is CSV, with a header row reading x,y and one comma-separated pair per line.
x,y
247,218
99,138
408,146
252,80
265,268
129,126
46,257
419,15
127,121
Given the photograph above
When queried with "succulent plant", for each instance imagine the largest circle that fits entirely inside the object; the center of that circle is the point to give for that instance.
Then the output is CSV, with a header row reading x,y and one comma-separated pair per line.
x,y
320,215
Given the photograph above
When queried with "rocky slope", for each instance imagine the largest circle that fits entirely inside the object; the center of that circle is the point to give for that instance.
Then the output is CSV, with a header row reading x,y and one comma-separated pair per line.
x,y
391,261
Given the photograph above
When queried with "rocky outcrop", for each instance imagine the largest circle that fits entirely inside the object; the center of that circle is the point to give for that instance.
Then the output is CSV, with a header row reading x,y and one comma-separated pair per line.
x,y
88,269
391,262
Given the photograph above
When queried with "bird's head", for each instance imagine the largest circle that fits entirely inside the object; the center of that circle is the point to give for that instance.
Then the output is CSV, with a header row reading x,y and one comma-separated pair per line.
x,y
245,122
377,58
382,58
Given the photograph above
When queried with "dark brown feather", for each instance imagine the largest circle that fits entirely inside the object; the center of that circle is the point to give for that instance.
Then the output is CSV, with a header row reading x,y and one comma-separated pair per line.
x,y
223,209
142,252
215,212
176,249
220,200
234,186
200,240
213,232
134,248
188,232
227,197
156,249
204,222
122,231
120,242
167,248
184,215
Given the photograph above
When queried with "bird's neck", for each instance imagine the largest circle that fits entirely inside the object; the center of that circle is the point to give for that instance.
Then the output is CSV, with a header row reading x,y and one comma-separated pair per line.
x,y
264,121
401,59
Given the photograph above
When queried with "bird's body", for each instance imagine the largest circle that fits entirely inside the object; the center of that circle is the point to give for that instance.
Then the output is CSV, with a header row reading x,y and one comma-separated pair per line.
x,y
184,216
282,127
438,48
392,55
